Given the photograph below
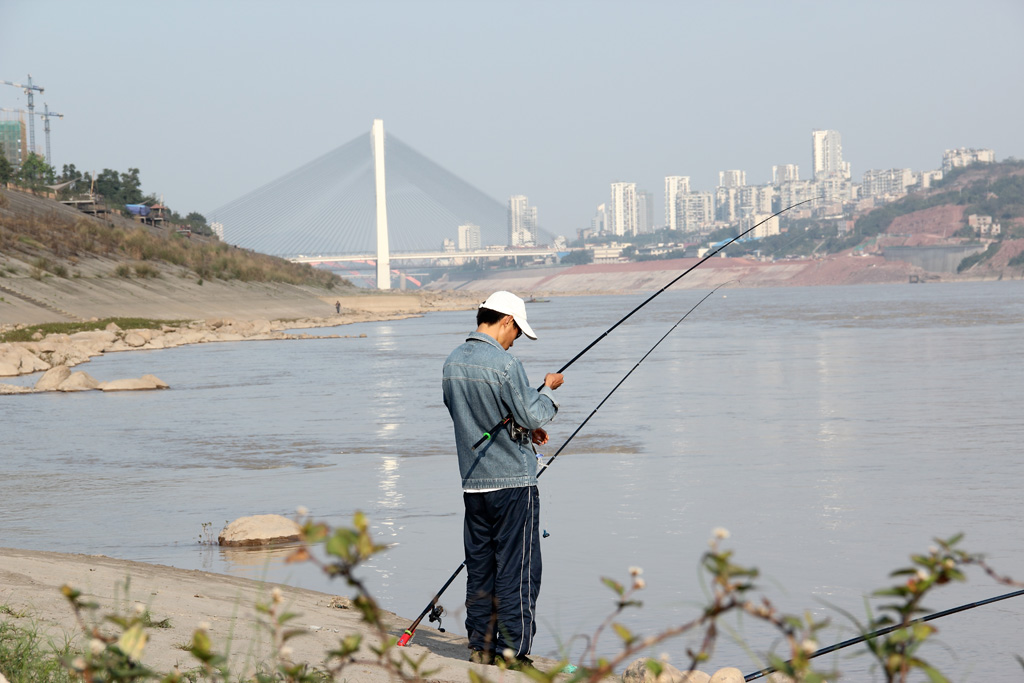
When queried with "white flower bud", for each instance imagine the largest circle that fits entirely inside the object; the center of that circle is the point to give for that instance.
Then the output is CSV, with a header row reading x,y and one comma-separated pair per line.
x,y
720,533
635,571
96,646
302,511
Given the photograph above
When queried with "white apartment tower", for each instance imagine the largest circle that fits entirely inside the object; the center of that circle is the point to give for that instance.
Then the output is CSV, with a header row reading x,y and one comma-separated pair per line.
x,y
727,194
827,155
786,173
674,186
891,182
732,178
644,211
522,222
469,237
623,213
695,211
599,223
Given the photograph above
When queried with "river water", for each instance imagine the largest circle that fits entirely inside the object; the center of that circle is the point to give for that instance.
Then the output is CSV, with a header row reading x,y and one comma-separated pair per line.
x,y
832,431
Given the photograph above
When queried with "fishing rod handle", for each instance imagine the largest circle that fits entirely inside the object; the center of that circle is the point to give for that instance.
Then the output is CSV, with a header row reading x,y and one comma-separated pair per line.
x,y
411,631
493,430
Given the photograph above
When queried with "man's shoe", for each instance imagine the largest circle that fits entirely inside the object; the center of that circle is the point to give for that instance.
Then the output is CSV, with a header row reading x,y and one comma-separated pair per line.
x,y
481,657
514,663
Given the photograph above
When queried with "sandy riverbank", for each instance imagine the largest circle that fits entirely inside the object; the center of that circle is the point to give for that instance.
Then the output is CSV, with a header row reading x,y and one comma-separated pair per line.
x,y
59,352
30,595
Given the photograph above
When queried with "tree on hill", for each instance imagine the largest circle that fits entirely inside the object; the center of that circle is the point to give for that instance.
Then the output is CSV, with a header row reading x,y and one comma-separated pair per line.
x,y
6,170
120,188
36,171
579,257
69,172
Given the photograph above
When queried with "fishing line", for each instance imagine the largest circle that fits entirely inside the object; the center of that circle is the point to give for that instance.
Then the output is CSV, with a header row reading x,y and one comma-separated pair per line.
x,y
495,430
436,611
889,629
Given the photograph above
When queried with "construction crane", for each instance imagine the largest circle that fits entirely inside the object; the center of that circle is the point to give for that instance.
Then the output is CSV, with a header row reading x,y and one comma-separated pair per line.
x,y
46,116
31,107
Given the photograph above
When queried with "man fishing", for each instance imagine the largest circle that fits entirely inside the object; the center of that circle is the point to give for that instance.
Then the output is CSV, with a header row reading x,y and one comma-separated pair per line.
x,y
482,382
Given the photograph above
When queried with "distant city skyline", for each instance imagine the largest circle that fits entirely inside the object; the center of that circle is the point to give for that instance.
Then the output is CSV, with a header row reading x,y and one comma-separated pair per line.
x,y
241,93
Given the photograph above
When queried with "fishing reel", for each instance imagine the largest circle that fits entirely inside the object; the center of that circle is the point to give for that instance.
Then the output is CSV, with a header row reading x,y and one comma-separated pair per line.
x,y
436,614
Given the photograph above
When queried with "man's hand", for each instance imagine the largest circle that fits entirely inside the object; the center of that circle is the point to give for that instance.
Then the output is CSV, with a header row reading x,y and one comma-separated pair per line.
x,y
553,380
539,437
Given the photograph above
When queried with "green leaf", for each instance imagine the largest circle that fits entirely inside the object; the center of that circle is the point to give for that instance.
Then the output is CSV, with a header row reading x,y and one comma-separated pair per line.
x,y
624,633
132,642
614,585
934,676
654,666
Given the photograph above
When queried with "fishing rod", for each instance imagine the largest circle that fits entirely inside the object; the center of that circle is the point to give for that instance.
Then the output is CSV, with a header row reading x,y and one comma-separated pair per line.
x,y
889,629
436,611
495,429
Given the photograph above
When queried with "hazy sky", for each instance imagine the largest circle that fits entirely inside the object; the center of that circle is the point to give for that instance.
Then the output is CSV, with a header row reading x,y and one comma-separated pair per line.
x,y
554,99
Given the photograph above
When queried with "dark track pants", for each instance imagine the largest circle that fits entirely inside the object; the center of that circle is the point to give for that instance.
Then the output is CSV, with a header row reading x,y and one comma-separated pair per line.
x,y
502,537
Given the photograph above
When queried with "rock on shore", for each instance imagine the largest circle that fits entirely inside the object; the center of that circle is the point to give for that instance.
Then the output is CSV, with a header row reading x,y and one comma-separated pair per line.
x,y
259,530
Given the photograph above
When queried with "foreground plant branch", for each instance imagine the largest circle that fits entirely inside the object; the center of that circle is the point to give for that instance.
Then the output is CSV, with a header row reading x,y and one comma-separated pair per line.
x,y
115,641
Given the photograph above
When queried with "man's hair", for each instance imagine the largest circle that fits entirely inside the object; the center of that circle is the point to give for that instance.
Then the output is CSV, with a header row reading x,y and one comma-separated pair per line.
x,y
487,316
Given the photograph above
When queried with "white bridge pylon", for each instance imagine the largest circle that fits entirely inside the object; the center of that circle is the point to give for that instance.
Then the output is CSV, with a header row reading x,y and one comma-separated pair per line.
x,y
383,255
340,202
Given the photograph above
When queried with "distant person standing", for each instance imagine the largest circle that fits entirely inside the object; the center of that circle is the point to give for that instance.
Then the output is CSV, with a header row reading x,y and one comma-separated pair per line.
x,y
337,307
482,383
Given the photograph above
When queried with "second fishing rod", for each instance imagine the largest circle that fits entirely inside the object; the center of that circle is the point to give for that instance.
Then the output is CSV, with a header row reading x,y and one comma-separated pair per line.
x,y
497,428
434,610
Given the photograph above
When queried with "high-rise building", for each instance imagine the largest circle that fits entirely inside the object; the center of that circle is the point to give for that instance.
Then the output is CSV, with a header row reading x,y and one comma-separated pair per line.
x,y
732,178
891,182
755,199
12,142
599,223
469,237
827,155
644,211
769,225
674,185
727,194
695,211
727,203
522,222
794,192
786,173
622,210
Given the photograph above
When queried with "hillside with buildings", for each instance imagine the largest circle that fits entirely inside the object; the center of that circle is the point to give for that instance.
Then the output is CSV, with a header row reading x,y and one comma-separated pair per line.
x,y
933,218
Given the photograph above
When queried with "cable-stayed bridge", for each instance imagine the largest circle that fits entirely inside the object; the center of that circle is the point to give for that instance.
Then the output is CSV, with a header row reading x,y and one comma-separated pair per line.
x,y
327,210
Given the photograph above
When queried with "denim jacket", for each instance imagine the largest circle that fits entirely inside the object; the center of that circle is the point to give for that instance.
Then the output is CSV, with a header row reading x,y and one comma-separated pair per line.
x,y
482,383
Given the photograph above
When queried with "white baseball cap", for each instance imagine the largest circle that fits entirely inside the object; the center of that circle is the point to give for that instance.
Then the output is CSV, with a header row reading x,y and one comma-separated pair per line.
x,y
510,304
